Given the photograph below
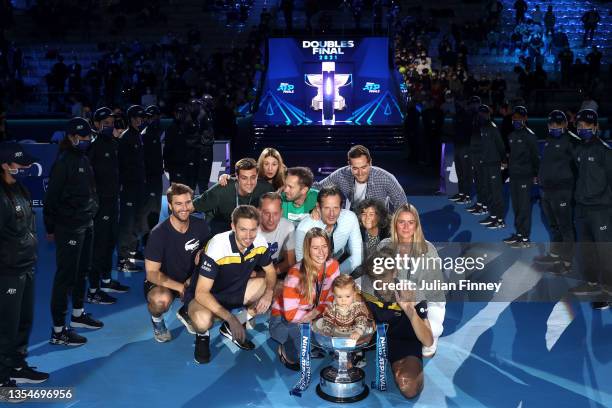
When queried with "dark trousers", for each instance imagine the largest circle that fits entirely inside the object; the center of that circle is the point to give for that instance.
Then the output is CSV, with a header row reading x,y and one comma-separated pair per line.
x,y
151,208
73,250
17,305
204,172
557,208
494,189
106,227
481,186
463,167
594,230
520,195
130,211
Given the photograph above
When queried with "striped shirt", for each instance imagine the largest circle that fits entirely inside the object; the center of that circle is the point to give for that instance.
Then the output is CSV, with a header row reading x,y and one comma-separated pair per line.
x,y
292,305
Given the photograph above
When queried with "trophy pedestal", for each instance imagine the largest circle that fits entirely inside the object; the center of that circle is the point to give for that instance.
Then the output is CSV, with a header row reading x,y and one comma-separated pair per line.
x,y
342,383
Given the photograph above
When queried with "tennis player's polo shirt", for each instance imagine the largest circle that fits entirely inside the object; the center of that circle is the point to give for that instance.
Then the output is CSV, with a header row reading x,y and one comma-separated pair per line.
x,y
228,267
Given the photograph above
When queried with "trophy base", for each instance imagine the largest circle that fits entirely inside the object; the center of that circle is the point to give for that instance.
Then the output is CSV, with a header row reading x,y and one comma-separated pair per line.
x,y
342,390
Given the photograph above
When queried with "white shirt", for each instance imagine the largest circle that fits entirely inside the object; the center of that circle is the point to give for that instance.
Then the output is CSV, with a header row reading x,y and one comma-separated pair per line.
x,y
280,240
360,192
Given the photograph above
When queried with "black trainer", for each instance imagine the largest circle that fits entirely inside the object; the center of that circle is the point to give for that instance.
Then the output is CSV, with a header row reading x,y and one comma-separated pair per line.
x,y
600,305
547,259
125,265
86,321
487,221
497,224
28,375
114,287
561,268
456,197
481,211
201,354
586,289
512,239
9,392
476,207
67,337
464,200
183,316
522,243
100,297
245,345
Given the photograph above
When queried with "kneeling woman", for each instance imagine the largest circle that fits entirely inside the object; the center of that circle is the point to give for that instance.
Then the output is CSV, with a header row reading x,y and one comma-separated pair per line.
x,y
306,294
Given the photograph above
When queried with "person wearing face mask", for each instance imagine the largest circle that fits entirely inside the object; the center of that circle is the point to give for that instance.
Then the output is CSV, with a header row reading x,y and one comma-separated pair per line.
x,y
70,205
556,179
18,245
493,154
524,163
481,205
105,164
154,169
593,198
182,148
207,141
462,127
132,180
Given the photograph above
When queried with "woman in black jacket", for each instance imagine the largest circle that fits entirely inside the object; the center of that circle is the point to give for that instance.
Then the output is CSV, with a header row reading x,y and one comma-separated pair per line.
x,y
18,247
69,209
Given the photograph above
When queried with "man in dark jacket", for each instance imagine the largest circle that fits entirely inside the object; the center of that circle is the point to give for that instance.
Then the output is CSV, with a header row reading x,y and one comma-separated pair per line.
x,y
18,247
556,179
103,155
154,169
70,205
493,155
182,147
594,210
462,132
523,165
132,180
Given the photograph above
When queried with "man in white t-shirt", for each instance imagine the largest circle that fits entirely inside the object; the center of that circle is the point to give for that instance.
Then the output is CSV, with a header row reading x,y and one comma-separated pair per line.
x,y
278,232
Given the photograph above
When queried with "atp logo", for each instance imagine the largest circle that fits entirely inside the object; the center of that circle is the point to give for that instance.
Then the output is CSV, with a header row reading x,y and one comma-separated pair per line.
x,y
286,88
371,87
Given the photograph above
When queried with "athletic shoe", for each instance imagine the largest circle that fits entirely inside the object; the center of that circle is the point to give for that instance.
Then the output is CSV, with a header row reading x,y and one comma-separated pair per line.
x,y
28,375
561,268
8,392
600,305
464,200
512,239
481,211
125,265
100,298
547,259
475,208
114,286
183,316
245,345
161,332
429,352
487,221
67,337
498,224
201,354
86,321
456,197
586,289
522,243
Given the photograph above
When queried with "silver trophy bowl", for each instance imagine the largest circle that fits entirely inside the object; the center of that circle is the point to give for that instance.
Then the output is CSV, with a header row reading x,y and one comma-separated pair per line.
x,y
341,382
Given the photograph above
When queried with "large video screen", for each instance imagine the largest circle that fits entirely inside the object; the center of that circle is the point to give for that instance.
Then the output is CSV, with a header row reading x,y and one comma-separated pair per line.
x,y
329,82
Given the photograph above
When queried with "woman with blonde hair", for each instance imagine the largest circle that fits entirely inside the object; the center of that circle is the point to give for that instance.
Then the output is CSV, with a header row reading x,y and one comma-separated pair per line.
x,y
305,296
270,167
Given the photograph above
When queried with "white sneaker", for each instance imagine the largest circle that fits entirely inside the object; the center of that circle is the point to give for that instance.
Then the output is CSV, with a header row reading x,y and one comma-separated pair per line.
x,y
429,352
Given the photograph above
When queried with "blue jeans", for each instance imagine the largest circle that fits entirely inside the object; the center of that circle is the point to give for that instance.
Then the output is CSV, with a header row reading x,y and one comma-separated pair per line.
x,y
287,334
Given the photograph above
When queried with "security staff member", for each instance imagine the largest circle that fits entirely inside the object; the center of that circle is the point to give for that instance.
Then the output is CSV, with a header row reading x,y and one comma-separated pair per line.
x,y
594,209
462,123
207,141
481,206
132,181
556,179
69,208
182,149
493,154
523,168
18,247
154,169
103,155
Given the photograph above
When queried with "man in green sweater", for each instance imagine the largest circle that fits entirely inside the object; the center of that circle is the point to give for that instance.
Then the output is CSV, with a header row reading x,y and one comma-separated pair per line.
x,y
218,202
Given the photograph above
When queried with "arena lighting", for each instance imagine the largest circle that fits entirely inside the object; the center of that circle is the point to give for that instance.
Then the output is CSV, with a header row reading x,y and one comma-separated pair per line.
x,y
328,98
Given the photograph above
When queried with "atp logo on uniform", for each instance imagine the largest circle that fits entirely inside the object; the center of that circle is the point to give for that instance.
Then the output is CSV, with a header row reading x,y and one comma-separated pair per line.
x,y
273,247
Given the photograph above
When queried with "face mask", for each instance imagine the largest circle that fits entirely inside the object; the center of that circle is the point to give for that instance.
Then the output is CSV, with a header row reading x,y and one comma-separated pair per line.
x,y
556,133
84,145
107,131
517,124
586,134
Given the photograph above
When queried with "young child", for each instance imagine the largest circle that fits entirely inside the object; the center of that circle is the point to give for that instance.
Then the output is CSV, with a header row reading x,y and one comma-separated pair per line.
x,y
346,316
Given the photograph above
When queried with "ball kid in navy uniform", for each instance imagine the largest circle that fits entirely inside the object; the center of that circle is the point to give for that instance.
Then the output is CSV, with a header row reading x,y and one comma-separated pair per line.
x,y
18,246
70,205
132,180
480,207
594,210
557,178
523,169
103,155
154,169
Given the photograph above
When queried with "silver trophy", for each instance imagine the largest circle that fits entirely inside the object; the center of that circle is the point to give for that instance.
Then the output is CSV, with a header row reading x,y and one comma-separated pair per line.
x,y
341,382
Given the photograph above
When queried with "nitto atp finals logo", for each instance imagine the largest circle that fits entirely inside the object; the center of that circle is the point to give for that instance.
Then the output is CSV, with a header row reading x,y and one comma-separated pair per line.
x,y
286,88
371,87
